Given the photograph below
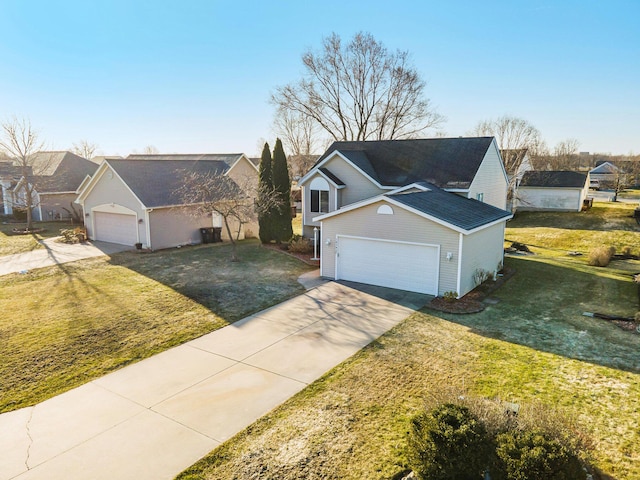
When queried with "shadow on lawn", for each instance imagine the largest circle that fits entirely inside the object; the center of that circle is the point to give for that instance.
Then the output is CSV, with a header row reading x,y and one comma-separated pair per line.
x,y
205,274
541,307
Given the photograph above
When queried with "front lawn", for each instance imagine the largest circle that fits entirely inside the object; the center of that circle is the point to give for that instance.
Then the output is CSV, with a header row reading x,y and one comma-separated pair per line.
x,y
10,244
533,347
63,326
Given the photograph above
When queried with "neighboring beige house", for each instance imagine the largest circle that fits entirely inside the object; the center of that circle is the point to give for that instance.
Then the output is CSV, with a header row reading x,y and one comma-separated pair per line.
x,y
57,177
606,175
553,190
134,200
420,215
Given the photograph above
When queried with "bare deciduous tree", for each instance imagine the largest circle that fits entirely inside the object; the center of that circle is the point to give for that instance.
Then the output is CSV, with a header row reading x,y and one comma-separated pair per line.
x,y
515,136
150,150
359,91
21,143
565,155
85,149
299,132
512,134
235,201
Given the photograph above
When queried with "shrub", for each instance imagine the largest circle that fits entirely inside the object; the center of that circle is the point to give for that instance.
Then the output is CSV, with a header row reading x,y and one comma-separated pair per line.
x,y
450,296
448,443
627,251
299,244
533,454
601,256
480,276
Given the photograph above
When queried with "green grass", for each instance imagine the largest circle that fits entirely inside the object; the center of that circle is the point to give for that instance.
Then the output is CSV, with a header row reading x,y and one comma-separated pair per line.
x,y
10,244
533,347
66,325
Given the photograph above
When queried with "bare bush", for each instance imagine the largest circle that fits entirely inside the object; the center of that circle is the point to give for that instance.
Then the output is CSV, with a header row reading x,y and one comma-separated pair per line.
x,y
601,256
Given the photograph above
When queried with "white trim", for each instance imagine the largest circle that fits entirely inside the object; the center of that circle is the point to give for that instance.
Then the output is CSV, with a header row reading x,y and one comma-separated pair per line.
x,y
114,208
320,184
96,177
328,179
147,211
402,242
331,156
456,190
384,198
321,255
459,275
242,155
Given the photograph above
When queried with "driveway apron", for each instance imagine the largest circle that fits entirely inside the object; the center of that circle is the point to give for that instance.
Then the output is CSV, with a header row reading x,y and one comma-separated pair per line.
x,y
153,419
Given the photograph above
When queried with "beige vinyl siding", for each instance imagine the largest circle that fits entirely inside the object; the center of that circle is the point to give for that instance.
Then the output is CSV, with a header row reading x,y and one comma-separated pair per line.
x,y
113,190
540,198
358,187
244,172
402,226
171,227
481,250
490,180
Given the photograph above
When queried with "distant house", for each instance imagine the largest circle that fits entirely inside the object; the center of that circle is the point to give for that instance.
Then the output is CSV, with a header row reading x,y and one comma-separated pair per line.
x,y
606,175
57,178
134,200
421,215
552,190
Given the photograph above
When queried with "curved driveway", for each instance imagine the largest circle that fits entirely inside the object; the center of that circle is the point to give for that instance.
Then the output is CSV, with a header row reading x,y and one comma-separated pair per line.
x,y
153,419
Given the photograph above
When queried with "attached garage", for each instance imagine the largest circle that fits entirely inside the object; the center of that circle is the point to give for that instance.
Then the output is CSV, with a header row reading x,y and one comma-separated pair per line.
x,y
116,228
418,238
394,264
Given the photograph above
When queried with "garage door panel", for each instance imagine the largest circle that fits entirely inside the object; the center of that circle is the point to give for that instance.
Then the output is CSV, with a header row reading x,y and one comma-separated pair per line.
x,y
400,265
116,228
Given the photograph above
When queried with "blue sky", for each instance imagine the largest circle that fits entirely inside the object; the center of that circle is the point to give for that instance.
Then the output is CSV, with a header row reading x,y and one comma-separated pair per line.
x,y
195,76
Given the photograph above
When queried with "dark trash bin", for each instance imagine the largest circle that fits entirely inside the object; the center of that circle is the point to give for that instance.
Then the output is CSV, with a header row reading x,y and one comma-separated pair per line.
x,y
216,234
207,235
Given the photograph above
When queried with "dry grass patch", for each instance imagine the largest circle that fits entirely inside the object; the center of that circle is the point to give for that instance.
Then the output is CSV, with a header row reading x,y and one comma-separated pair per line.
x,y
63,326
10,244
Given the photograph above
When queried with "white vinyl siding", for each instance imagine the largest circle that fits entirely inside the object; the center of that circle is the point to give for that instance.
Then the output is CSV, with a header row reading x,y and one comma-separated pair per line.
x,y
490,180
401,265
401,226
482,250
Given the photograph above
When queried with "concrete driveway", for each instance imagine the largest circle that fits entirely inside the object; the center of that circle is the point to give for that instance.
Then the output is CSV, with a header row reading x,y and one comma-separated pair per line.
x,y
153,419
56,253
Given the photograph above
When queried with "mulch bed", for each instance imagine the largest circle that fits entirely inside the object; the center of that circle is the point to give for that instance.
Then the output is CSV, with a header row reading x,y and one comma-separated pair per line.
x,y
304,257
472,302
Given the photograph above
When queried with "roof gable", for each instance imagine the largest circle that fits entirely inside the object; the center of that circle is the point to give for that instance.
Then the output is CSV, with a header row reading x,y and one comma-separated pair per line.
x,y
454,211
441,161
554,179
605,168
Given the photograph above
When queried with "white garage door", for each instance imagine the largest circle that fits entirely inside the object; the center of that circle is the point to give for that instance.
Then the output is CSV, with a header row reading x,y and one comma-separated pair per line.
x,y
116,228
405,266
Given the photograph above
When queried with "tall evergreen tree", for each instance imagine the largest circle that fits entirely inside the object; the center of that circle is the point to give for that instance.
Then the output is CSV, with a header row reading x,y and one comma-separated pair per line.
x,y
282,184
265,188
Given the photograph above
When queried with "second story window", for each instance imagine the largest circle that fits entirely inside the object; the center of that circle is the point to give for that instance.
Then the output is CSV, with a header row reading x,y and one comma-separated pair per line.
x,y
319,195
320,201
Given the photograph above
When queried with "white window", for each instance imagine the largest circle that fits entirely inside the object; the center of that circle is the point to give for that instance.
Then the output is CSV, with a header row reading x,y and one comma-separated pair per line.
x,y
319,195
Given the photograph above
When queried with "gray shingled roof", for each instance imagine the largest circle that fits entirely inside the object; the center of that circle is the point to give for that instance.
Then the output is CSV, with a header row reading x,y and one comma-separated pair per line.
x,y
445,162
452,208
56,171
228,158
156,181
556,178
605,168
331,176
